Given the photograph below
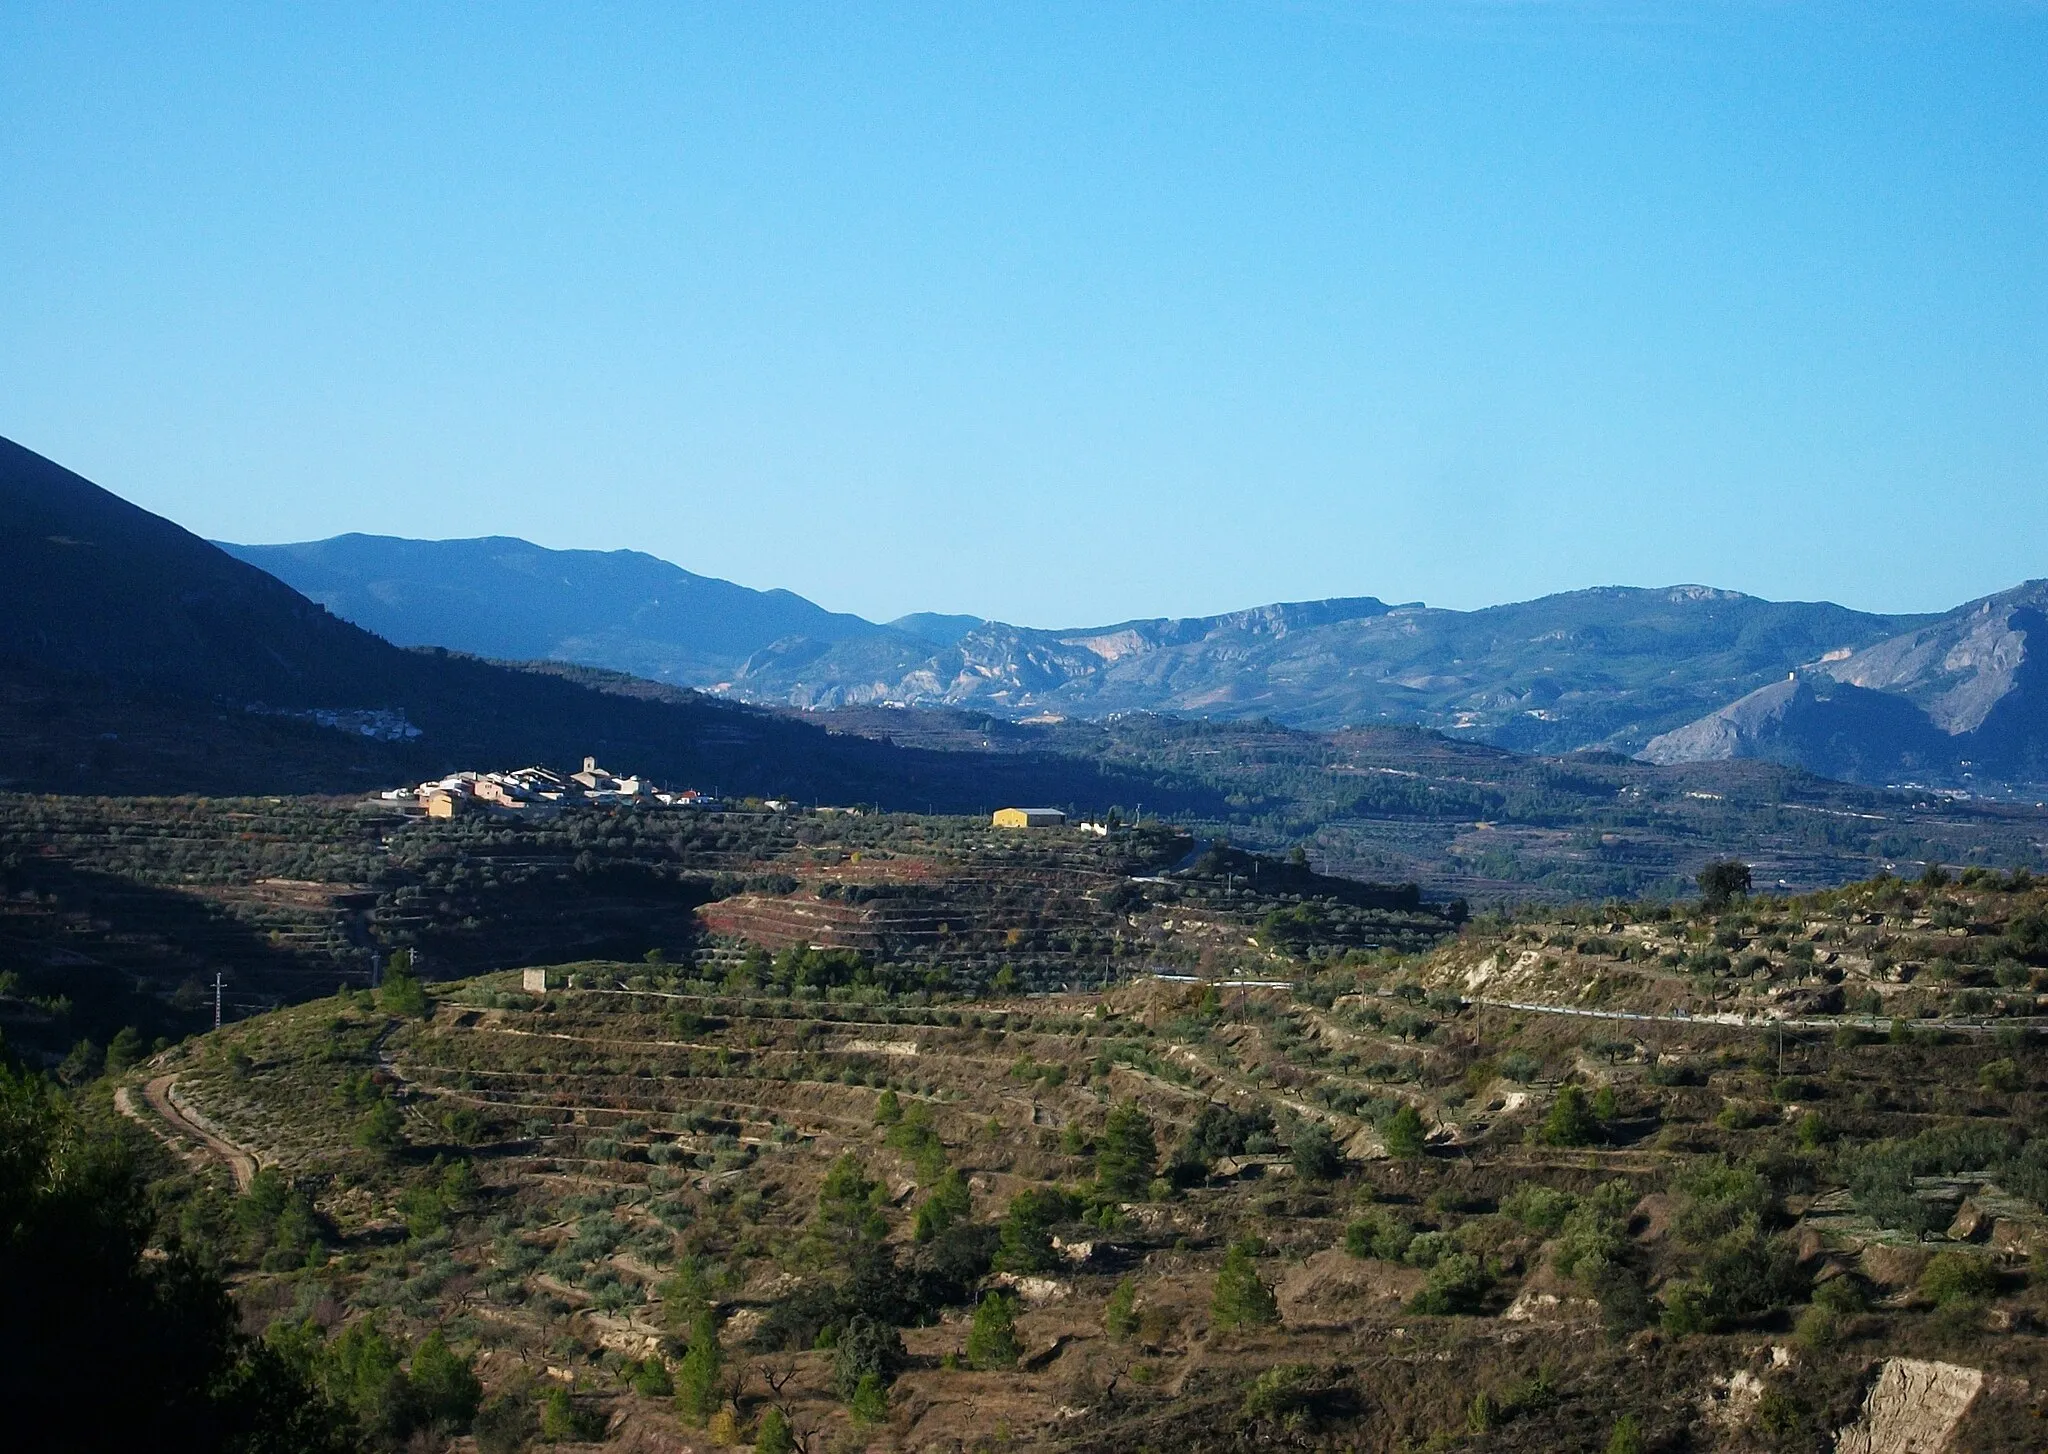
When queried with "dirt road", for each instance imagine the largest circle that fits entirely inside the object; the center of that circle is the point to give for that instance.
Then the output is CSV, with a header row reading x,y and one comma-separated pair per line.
x,y
161,1093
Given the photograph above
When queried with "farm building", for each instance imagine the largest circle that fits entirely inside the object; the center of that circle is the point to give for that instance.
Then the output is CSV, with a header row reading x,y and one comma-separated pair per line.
x,y
1030,818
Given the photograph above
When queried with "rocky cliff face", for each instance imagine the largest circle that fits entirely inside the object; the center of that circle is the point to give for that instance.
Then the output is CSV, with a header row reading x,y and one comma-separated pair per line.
x,y
1962,701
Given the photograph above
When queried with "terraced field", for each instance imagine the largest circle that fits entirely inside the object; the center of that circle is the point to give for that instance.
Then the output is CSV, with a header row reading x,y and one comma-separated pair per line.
x,y
120,912
1468,1226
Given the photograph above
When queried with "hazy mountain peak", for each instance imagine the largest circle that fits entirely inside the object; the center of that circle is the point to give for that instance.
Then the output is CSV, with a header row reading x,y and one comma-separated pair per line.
x,y
936,627
502,596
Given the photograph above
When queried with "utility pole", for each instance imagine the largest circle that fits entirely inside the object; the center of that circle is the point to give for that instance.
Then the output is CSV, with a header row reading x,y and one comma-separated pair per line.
x,y
216,999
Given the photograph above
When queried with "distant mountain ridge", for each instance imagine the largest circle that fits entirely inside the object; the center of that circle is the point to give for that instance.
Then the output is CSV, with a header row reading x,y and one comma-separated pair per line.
x,y
1610,667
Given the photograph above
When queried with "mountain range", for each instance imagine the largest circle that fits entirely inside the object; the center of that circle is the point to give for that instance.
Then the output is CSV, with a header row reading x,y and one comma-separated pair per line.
x,y
137,658
1676,674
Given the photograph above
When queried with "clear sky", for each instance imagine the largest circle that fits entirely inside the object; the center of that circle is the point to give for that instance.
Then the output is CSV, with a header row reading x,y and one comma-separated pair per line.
x,y
1056,313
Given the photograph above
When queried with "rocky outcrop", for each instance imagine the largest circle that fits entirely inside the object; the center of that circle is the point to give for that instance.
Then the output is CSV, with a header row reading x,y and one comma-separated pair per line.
x,y
1913,1408
1962,701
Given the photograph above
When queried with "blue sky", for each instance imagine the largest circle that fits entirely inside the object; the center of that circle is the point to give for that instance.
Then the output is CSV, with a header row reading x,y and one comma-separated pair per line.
x,y
1057,313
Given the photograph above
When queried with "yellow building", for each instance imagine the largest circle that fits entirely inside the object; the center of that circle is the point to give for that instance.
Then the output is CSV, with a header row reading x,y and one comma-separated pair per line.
x,y
1030,818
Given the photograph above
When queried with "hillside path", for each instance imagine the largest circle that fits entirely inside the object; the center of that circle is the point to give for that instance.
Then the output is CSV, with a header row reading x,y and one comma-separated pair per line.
x,y
1765,1022
160,1092
124,1102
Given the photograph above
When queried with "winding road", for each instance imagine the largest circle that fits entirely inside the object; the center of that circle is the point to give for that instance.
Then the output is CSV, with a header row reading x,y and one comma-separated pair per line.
x,y
161,1093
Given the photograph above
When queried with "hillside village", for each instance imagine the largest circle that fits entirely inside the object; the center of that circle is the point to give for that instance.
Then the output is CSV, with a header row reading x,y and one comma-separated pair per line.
x,y
538,792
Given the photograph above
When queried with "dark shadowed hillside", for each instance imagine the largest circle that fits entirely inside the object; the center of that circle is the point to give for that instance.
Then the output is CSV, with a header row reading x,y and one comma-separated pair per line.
x,y
136,657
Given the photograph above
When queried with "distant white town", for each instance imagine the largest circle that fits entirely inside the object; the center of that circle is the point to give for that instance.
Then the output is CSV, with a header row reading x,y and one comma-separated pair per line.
x,y
537,792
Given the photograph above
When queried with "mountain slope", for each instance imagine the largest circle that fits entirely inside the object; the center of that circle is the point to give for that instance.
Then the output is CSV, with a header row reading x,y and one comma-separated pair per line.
x,y
504,597
135,657
91,582
1962,700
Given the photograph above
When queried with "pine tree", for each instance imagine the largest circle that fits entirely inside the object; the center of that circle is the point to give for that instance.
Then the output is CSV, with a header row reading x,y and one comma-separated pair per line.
x,y
992,1340
699,1389
846,1202
1570,1122
1403,1133
401,994
1127,1152
870,1401
774,1436
949,1202
1120,1318
382,1128
447,1386
1242,1300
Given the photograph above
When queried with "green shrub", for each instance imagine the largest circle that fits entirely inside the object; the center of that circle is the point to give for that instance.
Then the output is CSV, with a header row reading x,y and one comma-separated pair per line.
x,y
446,1384
2001,1077
1120,1317
1571,1121
1686,1309
1458,1283
505,1424
1520,1067
1316,1155
1242,1299
1952,1277
652,1379
992,1337
1717,1199
1284,1395
1379,1234
1403,1133
564,1421
774,1436
1427,1249
1626,1437
1591,1235
1537,1207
